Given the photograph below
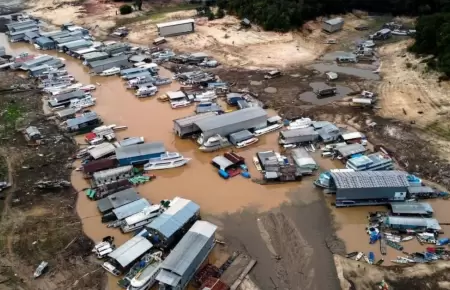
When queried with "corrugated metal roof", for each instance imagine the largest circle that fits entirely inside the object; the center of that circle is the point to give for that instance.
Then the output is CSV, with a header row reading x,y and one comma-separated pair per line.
x,y
131,250
222,162
85,117
414,221
101,150
172,23
420,189
67,39
175,95
70,95
302,158
20,23
66,112
230,118
350,149
299,132
370,179
94,54
108,60
23,31
319,124
31,34
189,120
131,141
185,253
43,40
334,21
131,208
117,200
132,70
175,217
411,208
76,43
140,57
140,150
38,60
112,172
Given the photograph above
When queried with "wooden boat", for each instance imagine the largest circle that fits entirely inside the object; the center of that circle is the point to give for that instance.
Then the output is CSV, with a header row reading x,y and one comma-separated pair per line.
x,y
257,164
163,98
247,142
40,269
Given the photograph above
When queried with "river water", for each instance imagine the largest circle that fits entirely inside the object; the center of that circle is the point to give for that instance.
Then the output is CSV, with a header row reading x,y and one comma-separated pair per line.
x,y
198,180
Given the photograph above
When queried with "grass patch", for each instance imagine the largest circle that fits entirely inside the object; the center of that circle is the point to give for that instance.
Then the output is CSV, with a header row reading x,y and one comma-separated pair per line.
x,y
440,129
3,169
155,14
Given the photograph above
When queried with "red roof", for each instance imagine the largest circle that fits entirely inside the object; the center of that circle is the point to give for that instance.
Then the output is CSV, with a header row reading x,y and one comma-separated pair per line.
x,y
90,136
214,284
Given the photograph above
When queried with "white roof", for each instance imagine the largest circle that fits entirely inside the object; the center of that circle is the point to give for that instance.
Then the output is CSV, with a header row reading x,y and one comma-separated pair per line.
x,y
352,135
175,95
172,23
101,150
362,101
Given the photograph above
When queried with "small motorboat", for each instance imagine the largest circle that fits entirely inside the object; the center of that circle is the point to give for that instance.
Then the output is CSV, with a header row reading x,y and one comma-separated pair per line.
x,y
407,238
88,88
180,104
268,129
40,269
110,72
166,161
371,257
146,92
300,123
247,142
163,98
213,143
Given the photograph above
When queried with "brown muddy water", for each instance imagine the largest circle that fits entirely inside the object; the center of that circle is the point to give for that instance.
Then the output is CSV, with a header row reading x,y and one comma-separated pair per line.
x,y
200,182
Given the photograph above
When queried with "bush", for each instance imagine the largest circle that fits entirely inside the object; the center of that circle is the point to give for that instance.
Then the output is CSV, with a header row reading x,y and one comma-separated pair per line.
x,y
220,13
210,15
125,9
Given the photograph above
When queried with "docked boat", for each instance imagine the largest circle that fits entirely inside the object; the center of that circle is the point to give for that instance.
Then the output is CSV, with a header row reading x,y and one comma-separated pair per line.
x,y
351,255
359,256
131,84
407,238
213,143
146,92
247,142
110,72
257,164
146,277
141,219
205,97
82,103
268,129
166,161
88,88
59,84
163,98
162,81
179,104
300,123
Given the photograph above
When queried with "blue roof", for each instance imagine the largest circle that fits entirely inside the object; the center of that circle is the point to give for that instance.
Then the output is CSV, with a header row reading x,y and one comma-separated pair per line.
x,y
175,217
43,40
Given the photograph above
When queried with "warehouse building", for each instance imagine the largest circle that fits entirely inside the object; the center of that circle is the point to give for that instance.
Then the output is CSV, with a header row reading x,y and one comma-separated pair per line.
x,y
176,27
127,254
226,124
20,35
333,25
412,223
117,200
31,36
369,187
298,136
187,257
185,126
104,64
112,175
67,39
139,153
168,228
11,26
412,208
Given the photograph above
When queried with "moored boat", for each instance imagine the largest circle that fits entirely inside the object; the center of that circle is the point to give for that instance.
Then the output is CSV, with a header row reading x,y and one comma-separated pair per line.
x,y
247,142
180,104
268,129
110,72
300,123
257,164
213,143
166,161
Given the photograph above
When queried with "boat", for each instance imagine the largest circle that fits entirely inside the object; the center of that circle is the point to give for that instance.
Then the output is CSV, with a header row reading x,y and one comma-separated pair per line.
x,y
300,123
394,245
166,161
366,259
180,104
146,91
88,88
131,84
268,129
57,83
62,88
163,98
351,255
40,269
359,256
371,257
143,273
162,81
257,164
110,72
247,142
141,219
407,238
82,103
205,97
213,143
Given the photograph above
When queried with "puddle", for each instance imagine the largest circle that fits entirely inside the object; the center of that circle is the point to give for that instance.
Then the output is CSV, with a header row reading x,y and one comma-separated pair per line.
x,y
362,73
312,98
256,83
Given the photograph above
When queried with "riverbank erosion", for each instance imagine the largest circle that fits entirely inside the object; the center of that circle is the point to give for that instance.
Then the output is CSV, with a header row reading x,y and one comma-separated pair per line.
x,y
38,224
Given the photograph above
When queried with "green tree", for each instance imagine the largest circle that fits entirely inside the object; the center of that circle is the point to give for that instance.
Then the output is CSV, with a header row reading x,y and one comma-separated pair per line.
x,y
220,13
125,9
210,15
10,116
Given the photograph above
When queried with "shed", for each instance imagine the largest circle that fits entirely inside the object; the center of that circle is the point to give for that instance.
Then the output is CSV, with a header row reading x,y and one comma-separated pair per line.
x,y
351,149
411,208
30,36
225,124
67,39
117,200
125,255
187,257
139,153
176,27
168,227
185,126
221,162
112,175
303,160
412,223
32,133
99,165
102,150
302,135
131,208
333,25
45,43
116,61
240,136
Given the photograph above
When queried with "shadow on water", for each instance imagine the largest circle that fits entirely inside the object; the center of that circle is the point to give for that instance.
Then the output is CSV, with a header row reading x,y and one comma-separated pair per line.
x,y
312,97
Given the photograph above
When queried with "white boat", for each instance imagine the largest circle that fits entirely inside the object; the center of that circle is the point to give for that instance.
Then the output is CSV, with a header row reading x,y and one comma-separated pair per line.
x,y
82,103
268,129
131,84
179,104
407,238
88,88
55,84
247,142
141,219
359,256
205,97
146,277
40,269
166,161
110,72
300,123
213,143
146,91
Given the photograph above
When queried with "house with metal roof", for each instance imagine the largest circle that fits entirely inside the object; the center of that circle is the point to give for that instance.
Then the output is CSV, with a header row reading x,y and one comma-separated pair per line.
x,y
412,223
226,124
117,199
139,153
102,150
20,35
185,126
23,27
94,56
104,64
112,175
83,121
32,133
303,160
421,191
67,39
37,62
63,99
130,209
371,162
132,70
45,43
369,187
220,162
116,48
347,151
187,257
168,228
82,51
74,45
30,36
328,132
12,25
298,136
66,113
411,208
140,58
208,107
128,253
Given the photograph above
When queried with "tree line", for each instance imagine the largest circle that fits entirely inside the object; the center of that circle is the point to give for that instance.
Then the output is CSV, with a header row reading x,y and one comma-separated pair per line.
x,y
282,15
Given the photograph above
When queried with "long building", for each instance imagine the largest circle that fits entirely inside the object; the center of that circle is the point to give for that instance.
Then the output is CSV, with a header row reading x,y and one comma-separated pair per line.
x,y
187,257
104,64
127,254
139,153
176,27
226,124
185,126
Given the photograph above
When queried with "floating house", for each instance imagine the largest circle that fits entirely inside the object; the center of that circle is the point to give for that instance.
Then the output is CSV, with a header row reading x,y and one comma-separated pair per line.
x,y
298,136
117,200
44,43
83,123
139,153
38,61
90,57
110,176
102,150
422,209
328,132
371,162
303,159
31,36
98,165
125,256
347,151
412,223
104,64
20,35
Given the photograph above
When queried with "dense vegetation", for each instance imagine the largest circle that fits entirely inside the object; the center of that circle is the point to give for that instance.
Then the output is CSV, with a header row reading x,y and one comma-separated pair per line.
x,y
433,37
285,14
125,9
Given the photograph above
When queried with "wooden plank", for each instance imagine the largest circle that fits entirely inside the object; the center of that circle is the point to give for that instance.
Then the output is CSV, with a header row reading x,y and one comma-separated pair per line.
x,y
244,273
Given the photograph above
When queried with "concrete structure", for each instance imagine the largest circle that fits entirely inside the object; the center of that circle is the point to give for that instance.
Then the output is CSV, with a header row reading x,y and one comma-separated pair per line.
x,y
296,136
369,187
333,25
226,124
101,65
139,153
168,228
371,162
412,208
412,223
45,43
190,253
128,253
176,27
117,199
185,126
